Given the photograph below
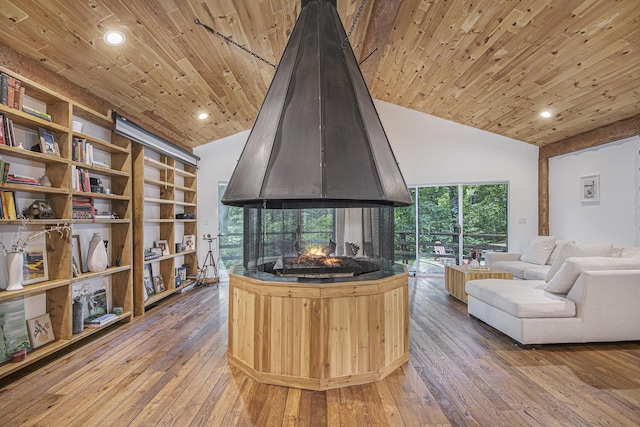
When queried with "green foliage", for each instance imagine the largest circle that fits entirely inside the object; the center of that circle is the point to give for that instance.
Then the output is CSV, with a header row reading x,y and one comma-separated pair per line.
x,y
485,213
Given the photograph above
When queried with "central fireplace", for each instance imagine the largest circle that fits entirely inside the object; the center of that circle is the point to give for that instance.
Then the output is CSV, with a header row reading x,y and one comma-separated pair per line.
x,y
318,302
320,243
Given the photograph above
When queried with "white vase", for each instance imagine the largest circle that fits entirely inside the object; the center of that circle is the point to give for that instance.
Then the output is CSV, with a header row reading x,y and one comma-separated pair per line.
x,y
97,256
15,262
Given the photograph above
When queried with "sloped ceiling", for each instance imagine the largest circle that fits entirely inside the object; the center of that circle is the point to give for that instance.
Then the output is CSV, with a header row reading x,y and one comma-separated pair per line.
x,y
494,65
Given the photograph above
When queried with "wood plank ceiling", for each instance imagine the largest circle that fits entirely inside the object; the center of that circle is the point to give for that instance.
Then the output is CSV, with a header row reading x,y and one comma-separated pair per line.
x,y
494,65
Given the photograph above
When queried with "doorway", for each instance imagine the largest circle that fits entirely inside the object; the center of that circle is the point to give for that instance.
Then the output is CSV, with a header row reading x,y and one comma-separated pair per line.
x,y
448,224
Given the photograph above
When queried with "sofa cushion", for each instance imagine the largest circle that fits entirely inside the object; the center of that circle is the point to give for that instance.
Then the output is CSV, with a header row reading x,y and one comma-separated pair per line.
x,y
563,280
520,298
537,273
556,250
537,249
632,252
579,250
517,268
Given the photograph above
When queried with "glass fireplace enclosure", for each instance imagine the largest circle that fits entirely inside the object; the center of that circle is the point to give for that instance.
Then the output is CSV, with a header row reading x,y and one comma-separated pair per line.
x,y
318,242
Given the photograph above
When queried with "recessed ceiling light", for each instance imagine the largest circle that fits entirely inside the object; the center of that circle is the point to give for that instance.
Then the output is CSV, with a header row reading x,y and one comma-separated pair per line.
x,y
546,114
203,116
114,38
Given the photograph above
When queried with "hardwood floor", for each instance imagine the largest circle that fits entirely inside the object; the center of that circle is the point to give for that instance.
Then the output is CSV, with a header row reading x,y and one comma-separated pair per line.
x,y
170,368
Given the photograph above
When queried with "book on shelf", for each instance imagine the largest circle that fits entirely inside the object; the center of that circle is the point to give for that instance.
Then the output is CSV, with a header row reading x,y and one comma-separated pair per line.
x,y
82,208
4,170
102,215
36,113
99,163
12,134
2,141
21,179
99,320
6,129
11,91
9,206
82,151
4,88
80,179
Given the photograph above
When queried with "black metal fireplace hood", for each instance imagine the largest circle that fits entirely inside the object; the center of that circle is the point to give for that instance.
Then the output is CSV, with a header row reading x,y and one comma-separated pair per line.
x,y
317,140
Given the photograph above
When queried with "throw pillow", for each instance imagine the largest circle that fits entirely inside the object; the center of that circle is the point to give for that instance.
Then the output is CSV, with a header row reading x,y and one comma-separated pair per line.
x,y
563,280
632,252
556,250
537,249
578,250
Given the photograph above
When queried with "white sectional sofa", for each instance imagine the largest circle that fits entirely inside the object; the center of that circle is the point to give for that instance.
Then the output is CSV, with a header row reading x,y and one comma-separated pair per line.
x,y
580,299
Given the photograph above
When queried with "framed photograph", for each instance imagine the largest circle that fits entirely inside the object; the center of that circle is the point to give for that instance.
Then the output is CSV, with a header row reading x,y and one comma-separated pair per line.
x,y
47,142
13,333
158,283
34,266
40,330
45,209
96,304
162,244
189,242
590,189
76,258
156,251
148,280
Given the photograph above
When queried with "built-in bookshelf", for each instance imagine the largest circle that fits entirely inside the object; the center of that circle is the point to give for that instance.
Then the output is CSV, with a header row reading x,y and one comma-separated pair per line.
x,y
54,291
165,195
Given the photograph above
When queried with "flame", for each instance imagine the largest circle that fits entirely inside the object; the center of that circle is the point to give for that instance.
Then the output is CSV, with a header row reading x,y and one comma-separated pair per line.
x,y
316,255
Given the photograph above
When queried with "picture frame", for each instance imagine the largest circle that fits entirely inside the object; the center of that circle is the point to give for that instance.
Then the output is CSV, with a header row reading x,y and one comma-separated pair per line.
x,y
47,142
35,267
40,330
148,280
164,245
590,189
189,242
96,304
14,332
156,251
76,256
158,283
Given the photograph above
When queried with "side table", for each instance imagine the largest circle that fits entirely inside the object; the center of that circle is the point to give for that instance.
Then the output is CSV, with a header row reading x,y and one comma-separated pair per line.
x,y
456,276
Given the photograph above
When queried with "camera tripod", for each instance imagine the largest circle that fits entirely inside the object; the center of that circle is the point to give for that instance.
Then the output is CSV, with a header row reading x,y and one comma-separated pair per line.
x,y
209,261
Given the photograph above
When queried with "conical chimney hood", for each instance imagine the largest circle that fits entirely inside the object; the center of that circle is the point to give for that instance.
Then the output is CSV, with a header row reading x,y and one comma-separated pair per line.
x,y
317,140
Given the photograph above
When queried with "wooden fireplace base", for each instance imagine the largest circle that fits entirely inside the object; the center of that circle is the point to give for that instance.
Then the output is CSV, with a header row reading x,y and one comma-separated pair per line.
x,y
318,336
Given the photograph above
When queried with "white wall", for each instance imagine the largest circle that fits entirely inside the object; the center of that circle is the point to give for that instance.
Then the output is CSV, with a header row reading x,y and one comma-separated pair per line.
x,y
429,150
614,218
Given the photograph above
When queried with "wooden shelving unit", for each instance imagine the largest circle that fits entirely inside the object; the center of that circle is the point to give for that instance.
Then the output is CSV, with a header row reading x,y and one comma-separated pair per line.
x,y
163,188
57,292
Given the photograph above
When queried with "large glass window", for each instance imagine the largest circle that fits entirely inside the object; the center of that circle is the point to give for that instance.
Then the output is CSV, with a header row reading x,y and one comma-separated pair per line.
x,y
447,223
230,223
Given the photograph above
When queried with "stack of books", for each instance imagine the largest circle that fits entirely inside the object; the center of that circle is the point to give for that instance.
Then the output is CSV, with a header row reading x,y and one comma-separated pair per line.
x,y
82,208
80,179
99,320
7,134
12,92
21,179
82,151
8,207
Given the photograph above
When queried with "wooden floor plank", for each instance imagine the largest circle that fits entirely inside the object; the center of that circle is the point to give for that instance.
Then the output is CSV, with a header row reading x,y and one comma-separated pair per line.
x,y
169,367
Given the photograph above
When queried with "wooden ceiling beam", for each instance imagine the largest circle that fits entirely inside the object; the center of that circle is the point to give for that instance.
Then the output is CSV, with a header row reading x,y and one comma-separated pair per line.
x,y
602,135
615,131
380,25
